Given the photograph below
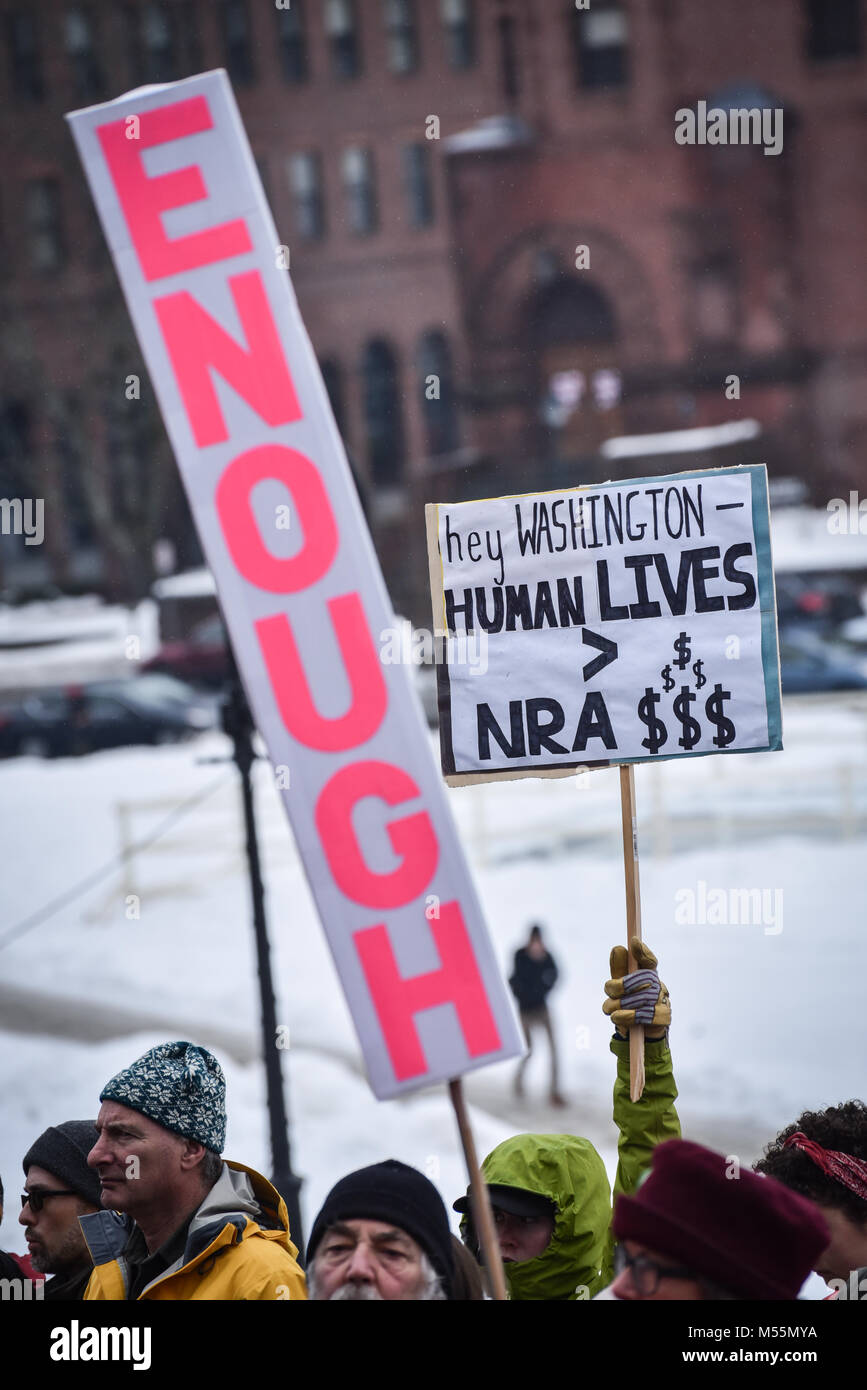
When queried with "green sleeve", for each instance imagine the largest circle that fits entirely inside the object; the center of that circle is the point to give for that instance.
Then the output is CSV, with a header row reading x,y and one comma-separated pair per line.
x,y
643,1125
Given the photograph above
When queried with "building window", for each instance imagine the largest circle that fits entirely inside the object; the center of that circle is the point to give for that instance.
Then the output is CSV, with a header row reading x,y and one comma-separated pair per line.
x,y
265,175
305,181
438,403
78,36
236,41
714,300
152,45
460,32
509,71
77,514
600,36
400,26
44,232
419,190
293,42
342,29
186,30
382,414
833,29
360,188
333,378
24,56
16,448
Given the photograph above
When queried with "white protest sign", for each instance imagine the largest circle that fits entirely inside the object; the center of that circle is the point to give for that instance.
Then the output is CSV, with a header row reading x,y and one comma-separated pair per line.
x,y
625,622
245,407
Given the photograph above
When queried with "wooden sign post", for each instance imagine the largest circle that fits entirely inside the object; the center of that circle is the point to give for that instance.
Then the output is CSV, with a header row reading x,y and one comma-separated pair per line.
x,y
633,916
480,1202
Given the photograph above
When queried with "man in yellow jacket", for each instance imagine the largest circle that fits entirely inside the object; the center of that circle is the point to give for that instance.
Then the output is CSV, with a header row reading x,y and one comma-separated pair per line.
x,y
178,1221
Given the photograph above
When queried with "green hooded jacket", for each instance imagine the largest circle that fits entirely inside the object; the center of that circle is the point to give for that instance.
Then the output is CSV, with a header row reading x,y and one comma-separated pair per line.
x,y
578,1261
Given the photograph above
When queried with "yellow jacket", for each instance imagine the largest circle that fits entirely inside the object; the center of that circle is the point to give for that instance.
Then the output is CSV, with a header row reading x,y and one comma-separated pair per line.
x,y
238,1247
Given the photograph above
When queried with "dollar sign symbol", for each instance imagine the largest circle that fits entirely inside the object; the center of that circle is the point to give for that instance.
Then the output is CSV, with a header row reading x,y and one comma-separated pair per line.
x,y
667,677
682,648
657,734
715,713
691,727
700,680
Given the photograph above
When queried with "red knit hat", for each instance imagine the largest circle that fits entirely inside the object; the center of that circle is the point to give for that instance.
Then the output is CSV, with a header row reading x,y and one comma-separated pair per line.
x,y
749,1234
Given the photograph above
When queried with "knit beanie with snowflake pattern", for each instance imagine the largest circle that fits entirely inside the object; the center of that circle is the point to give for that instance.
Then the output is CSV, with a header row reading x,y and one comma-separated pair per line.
x,y
181,1087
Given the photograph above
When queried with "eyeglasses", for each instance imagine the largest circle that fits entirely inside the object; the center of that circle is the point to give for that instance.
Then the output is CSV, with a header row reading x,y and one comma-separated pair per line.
x,y
646,1273
503,1217
37,1198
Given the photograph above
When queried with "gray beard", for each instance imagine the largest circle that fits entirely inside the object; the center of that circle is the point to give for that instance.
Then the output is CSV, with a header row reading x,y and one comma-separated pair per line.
x,y
431,1290
356,1293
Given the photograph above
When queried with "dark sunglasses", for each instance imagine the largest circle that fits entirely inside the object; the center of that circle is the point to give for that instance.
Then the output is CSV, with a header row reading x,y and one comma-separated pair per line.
x,y
646,1273
37,1199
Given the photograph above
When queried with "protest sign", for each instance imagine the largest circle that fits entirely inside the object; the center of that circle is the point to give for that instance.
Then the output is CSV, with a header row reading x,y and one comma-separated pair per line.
x,y
619,623
204,274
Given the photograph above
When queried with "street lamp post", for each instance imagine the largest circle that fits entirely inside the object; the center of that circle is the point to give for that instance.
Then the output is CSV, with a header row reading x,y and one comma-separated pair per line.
x,y
238,724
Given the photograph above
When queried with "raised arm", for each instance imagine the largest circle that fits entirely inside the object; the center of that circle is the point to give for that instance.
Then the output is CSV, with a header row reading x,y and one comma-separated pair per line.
x,y
640,998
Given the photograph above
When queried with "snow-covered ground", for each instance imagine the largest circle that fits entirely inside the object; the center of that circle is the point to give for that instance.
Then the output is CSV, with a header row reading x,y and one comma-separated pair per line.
x,y
768,1015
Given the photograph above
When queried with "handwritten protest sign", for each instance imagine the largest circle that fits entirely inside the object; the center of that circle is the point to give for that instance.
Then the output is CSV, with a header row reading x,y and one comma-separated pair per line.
x,y
244,404
625,622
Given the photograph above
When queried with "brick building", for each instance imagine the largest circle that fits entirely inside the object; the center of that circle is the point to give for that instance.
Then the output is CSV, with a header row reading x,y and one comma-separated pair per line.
x,y
501,252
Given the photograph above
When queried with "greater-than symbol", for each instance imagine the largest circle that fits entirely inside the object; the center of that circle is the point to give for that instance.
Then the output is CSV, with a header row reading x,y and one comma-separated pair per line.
x,y
603,645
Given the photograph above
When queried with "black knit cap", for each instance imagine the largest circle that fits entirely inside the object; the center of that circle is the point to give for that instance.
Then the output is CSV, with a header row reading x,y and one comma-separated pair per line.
x,y
392,1191
63,1150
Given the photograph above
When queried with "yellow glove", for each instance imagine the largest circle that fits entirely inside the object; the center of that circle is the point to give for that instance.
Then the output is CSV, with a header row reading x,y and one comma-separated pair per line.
x,y
640,997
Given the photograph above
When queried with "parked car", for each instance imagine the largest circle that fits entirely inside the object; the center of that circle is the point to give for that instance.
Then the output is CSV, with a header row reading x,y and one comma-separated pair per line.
x,y
809,664
201,658
821,602
150,709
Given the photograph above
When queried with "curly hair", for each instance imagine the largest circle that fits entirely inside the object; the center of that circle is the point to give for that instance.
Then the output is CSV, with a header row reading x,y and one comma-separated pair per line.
x,y
842,1127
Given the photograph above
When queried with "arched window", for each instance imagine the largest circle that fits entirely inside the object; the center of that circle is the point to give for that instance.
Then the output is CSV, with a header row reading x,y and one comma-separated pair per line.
x,y
383,413
566,310
438,403
572,337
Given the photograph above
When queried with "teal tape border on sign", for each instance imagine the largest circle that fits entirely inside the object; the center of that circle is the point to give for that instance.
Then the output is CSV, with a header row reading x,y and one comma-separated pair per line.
x,y
767,602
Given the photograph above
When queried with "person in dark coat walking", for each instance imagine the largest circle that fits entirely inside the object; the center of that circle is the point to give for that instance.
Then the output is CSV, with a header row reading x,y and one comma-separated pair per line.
x,y
59,1188
533,977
